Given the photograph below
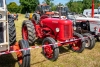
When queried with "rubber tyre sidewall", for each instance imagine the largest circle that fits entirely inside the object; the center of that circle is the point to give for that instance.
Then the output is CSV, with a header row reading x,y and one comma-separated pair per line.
x,y
31,31
38,18
25,54
55,46
12,31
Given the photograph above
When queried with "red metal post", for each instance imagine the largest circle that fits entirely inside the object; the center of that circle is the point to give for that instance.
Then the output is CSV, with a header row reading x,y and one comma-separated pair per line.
x,y
92,12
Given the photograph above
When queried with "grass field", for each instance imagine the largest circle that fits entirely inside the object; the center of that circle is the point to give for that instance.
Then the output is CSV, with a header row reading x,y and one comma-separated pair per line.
x,y
67,58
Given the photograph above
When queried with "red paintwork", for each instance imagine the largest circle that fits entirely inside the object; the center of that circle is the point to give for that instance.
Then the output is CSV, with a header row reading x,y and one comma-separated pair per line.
x,y
48,50
99,29
92,13
44,16
25,32
65,27
47,27
77,45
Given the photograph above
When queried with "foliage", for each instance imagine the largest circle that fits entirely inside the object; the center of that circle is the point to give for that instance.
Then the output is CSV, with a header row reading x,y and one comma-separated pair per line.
x,y
79,5
48,1
74,5
13,7
28,5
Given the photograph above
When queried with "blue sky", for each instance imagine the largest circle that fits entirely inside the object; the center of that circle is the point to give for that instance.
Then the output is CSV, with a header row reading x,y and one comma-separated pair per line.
x,y
55,1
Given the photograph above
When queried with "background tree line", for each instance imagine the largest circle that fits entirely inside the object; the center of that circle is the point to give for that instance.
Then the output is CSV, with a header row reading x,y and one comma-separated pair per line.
x,y
29,5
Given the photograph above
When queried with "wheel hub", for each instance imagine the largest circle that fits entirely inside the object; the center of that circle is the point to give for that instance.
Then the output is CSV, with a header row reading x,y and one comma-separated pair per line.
x,y
25,32
87,43
48,51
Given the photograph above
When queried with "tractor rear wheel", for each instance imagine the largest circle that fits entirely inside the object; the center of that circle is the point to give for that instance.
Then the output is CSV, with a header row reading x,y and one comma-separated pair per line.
x,y
80,45
90,40
36,18
12,31
23,56
50,49
28,31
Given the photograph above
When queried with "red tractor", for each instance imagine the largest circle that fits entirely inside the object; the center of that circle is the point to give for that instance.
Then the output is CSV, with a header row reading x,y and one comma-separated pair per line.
x,y
52,30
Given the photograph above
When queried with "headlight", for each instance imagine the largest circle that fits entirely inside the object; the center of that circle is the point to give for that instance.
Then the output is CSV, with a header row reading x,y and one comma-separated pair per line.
x,y
74,28
0,16
57,30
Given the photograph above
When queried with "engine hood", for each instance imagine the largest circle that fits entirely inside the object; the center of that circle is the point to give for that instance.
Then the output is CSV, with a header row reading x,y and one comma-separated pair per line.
x,y
56,23
53,21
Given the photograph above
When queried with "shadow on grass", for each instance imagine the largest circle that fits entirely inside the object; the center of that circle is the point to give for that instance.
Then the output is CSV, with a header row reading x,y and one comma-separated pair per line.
x,y
38,42
38,62
64,49
7,61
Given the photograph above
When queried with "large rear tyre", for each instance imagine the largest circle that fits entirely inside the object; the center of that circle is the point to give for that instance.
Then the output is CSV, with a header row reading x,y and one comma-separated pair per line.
x,y
36,18
28,31
80,45
90,40
23,56
12,31
50,49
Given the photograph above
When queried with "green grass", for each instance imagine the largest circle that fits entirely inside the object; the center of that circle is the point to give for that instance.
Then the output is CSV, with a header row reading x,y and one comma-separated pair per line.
x,y
67,58
18,25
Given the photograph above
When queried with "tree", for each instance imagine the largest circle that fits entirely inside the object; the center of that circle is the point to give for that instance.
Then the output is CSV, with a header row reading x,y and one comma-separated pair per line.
x,y
48,2
87,4
53,6
12,7
75,6
29,5
79,5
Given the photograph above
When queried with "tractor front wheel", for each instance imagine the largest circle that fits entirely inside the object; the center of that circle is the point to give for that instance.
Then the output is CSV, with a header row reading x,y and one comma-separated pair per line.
x,y
50,48
80,45
23,57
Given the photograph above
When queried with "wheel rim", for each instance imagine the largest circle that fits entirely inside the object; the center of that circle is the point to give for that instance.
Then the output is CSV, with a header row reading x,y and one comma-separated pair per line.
x,y
19,54
48,50
25,32
87,43
99,37
77,45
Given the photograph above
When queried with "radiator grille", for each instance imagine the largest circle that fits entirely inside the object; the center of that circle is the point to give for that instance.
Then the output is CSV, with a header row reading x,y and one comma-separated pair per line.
x,y
67,31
